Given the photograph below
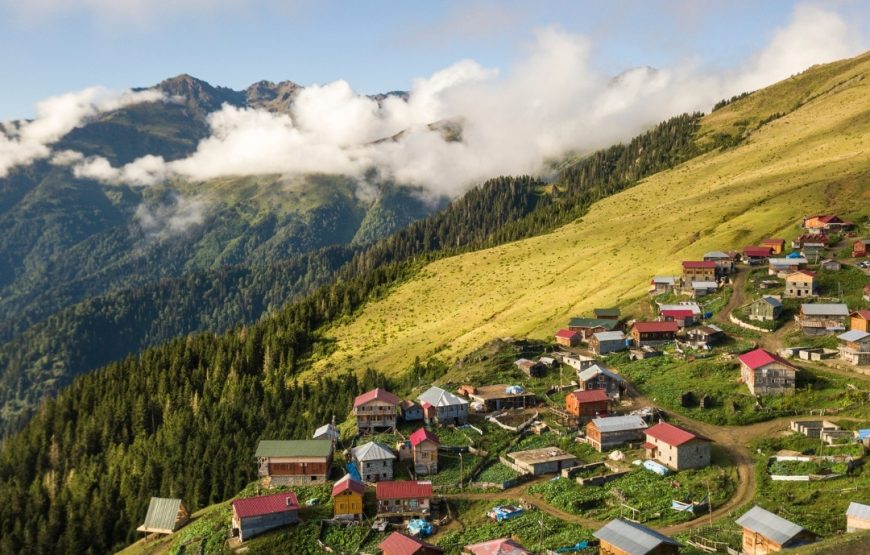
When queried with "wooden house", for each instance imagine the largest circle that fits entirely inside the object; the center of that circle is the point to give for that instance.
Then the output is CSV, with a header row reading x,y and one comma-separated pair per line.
x,y
704,337
605,342
165,516
567,338
546,460
499,396
766,374
623,537
855,347
819,240
724,262
502,546
825,222
587,403
347,499
599,377
777,246
376,411
424,447
374,461
822,318
676,448
606,433
699,270
411,411
442,407
531,368
830,265
653,334
254,515
756,255
767,308
682,316
659,285
765,532
398,543
857,517
801,284
588,326
606,313
294,462
860,320
861,248
403,498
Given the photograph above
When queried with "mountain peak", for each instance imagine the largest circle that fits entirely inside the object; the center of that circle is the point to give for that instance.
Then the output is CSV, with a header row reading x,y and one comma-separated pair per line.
x,y
275,97
200,96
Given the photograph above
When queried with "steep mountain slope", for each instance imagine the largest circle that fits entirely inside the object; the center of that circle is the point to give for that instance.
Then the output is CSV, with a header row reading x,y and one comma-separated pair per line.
x,y
815,158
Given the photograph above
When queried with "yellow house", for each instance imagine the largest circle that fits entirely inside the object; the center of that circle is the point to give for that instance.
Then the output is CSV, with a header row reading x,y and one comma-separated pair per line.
x,y
347,496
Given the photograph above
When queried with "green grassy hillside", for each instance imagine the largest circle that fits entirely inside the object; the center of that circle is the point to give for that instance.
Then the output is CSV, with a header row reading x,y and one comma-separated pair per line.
x,y
814,158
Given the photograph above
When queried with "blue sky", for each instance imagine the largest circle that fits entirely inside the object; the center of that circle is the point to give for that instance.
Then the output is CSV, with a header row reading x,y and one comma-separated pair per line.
x,y
54,46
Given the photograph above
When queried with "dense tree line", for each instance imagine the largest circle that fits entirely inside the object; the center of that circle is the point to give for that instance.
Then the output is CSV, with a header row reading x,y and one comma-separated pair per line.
x,y
182,418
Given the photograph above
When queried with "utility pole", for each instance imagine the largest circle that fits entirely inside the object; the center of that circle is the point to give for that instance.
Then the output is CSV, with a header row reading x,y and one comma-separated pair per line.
x,y
541,540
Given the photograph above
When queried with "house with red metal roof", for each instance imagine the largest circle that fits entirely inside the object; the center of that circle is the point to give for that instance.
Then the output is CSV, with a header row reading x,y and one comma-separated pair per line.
x,y
376,411
677,448
699,270
653,333
587,403
766,374
567,338
255,515
825,222
756,255
424,449
398,543
503,546
683,317
403,498
347,498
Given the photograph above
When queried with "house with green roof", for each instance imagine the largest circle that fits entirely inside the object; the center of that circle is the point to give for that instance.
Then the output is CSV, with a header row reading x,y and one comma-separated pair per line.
x,y
294,461
586,327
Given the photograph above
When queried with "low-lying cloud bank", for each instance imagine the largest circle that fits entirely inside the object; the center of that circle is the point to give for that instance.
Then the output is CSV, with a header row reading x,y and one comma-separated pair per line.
x,y
549,102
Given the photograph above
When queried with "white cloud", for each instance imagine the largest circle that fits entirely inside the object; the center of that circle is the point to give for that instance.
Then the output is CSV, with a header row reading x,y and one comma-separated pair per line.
x,y
172,218
27,141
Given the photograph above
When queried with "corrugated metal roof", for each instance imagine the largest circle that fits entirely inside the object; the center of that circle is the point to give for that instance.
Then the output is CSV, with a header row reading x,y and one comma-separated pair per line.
x,y
694,307
162,513
609,336
422,435
619,423
699,264
858,510
377,393
632,538
400,544
589,395
596,370
656,327
327,430
704,285
668,280
759,357
348,483
606,312
825,309
772,301
593,323
672,435
403,489
504,546
853,335
266,504
372,451
717,254
769,525
294,448
438,397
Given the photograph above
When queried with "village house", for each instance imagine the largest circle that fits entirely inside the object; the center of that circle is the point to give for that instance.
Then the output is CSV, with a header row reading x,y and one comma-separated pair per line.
x,y
653,333
702,288
294,462
374,461
531,368
599,377
587,403
857,517
411,411
587,326
579,361
499,396
503,546
766,374
327,431
699,270
442,407
254,515
861,248
165,515
659,285
567,338
676,448
683,317
546,460
825,222
683,305
811,240
605,342
403,498
606,433
623,537
347,498
830,265
424,447
724,262
767,308
784,267
860,320
704,337
606,313
855,347
800,284
822,318
765,532
777,246
376,410
398,543
756,255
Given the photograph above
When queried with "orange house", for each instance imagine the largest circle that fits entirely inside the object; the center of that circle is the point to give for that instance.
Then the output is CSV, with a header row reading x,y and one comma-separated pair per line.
x,y
587,403
860,320
777,246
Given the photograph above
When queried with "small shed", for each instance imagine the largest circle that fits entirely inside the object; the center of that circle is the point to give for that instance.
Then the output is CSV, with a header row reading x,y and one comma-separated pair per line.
x,y
830,265
623,537
860,321
327,431
857,517
567,338
546,460
765,532
165,515
606,313
587,403
255,515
